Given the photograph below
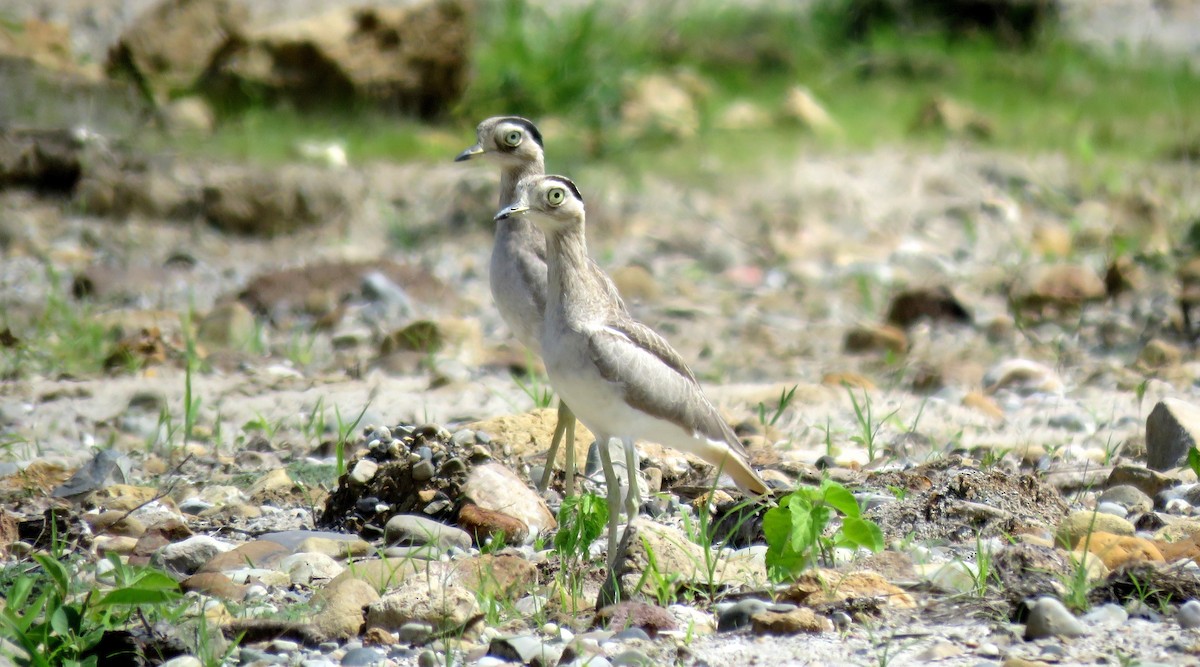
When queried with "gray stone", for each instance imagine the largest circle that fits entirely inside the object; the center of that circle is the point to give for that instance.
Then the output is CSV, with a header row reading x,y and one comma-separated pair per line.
x,y
1129,497
1112,508
1171,430
737,616
423,471
363,657
1189,615
414,530
1049,618
526,649
188,556
415,633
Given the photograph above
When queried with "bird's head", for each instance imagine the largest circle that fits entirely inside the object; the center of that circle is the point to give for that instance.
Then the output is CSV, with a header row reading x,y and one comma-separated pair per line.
x,y
552,202
510,139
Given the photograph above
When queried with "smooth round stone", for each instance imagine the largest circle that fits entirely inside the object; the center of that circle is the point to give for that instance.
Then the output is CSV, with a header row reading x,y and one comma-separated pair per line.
x,y
415,633
423,470
195,505
1129,497
463,437
841,620
285,646
1112,508
363,657
1189,615
427,659
366,505
631,633
738,615
1049,618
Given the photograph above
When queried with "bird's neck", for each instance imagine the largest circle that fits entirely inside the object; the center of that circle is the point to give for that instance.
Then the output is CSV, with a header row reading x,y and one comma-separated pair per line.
x,y
512,176
518,230
570,281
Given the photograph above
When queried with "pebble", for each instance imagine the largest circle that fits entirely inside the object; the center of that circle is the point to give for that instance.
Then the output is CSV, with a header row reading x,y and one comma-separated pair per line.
x,y
1049,618
363,657
1129,497
1189,615
737,615
1112,509
414,530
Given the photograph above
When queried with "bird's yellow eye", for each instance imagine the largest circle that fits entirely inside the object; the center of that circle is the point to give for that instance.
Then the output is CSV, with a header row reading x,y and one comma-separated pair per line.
x,y
556,196
512,139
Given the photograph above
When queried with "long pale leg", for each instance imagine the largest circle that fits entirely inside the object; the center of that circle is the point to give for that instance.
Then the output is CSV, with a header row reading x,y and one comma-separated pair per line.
x,y
613,487
610,591
564,412
565,417
633,497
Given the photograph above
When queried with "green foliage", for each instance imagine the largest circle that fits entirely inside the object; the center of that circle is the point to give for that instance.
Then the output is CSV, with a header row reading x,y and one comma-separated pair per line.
x,y
1193,460
795,530
581,521
56,624
63,339
785,399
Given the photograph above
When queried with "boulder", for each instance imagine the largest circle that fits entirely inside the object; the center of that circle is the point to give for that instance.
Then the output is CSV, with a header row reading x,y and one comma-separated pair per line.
x,y
411,59
169,47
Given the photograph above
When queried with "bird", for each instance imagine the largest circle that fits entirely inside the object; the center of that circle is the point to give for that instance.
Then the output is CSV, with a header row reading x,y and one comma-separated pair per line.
x,y
518,263
621,377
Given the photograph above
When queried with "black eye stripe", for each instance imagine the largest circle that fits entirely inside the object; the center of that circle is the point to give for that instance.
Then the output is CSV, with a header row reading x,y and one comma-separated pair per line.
x,y
526,125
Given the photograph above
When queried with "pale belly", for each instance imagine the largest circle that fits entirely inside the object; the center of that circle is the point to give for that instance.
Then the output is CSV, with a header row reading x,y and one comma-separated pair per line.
x,y
600,404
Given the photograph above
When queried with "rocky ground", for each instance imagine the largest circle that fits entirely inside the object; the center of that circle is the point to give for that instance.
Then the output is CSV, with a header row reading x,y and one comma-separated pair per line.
x,y
988,349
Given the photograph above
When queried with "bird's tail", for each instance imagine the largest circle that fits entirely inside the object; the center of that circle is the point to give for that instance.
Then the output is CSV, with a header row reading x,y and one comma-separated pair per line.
x,y
729,462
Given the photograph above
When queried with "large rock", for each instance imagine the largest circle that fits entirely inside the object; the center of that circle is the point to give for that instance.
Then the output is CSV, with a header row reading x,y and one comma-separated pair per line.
x,y
678,559
1171,431
251,201
46,160
493,486
169,47
424,599
1057,287
343,607
411,59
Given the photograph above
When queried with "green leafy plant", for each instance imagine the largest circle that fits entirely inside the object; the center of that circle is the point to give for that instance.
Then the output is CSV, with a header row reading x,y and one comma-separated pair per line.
x,y
1193,460
795,530
581,521
57,625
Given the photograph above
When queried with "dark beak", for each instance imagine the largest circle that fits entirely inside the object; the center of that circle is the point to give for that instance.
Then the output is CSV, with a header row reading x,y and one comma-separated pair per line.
x,y
469,153
506,213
